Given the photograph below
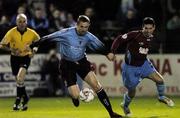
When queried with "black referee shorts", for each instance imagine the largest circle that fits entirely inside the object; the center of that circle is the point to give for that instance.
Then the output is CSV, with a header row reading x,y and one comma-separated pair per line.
x,y
17,62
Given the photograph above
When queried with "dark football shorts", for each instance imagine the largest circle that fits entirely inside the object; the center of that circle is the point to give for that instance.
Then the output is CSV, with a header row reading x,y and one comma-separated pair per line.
x,y
69,70
17,62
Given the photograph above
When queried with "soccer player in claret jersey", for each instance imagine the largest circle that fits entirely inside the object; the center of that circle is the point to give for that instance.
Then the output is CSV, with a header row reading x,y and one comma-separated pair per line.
x,y
17,40
137,66
72,46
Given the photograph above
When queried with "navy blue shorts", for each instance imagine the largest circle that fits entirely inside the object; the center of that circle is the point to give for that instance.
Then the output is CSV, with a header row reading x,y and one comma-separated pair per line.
x,y
17,62
69,69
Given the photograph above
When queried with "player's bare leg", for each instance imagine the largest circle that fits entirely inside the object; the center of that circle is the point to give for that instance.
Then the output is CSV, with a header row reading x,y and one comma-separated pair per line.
x,y
20,79
127,100
96,86
156,77
74,92
21,92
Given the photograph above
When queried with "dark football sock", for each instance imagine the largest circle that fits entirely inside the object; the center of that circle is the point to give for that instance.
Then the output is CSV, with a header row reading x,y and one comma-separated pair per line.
x,y
127,100
18,95
24,94
105,100
160,89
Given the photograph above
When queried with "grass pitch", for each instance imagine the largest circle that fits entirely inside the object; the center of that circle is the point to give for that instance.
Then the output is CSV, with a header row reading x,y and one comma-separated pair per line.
x,y
63,108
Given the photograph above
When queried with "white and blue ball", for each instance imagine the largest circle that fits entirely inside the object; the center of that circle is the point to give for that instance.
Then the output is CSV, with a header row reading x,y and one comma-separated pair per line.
x,y
86,95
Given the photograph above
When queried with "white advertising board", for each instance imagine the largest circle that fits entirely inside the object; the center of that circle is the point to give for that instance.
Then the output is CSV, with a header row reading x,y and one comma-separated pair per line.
x,y
108,73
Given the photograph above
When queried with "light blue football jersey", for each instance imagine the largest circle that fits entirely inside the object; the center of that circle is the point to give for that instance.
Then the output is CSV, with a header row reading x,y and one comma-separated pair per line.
x,y
72,46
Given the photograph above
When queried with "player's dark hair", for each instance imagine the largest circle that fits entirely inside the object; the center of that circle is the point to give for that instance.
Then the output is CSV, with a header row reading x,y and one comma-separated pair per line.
x,y
83,18
148,20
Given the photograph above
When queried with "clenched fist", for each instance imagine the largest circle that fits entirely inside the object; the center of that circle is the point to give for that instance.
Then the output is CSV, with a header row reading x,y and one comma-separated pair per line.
x,y
111,56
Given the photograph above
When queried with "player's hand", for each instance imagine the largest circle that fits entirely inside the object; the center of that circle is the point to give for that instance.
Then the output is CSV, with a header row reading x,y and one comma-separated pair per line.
x,y
34,50
4,47
111,56
31,55
15,51
1,46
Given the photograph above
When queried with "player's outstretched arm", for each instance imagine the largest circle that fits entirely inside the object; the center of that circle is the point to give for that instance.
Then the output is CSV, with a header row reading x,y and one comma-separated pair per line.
x,y
54,37
4,47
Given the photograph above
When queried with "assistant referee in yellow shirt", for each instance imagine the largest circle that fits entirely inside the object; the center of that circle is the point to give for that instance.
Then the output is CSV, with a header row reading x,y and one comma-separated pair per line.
x,y
17,40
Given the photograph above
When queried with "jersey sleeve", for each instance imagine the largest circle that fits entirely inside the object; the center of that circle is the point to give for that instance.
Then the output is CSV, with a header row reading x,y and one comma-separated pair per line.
x,y
53,37
96,45
36,37
57,36
121,39
7,38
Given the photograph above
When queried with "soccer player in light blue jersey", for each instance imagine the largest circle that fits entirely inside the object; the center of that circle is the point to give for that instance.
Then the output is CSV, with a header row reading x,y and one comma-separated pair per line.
x,y
72,46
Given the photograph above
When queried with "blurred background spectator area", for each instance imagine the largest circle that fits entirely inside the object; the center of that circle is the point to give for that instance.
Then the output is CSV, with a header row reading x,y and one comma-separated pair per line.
x,y
108,18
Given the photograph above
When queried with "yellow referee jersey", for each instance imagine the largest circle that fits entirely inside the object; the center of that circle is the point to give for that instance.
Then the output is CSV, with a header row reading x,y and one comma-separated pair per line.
x,y
20,41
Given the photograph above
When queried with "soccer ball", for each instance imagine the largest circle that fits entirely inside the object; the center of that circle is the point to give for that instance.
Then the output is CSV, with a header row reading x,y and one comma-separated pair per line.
x,y
86,95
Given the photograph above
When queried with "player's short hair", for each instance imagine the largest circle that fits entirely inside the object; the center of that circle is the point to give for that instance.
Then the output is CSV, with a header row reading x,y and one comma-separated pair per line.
x,y
83,18
148,20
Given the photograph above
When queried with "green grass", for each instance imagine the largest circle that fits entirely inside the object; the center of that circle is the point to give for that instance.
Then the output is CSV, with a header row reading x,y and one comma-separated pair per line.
x,y
63,108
